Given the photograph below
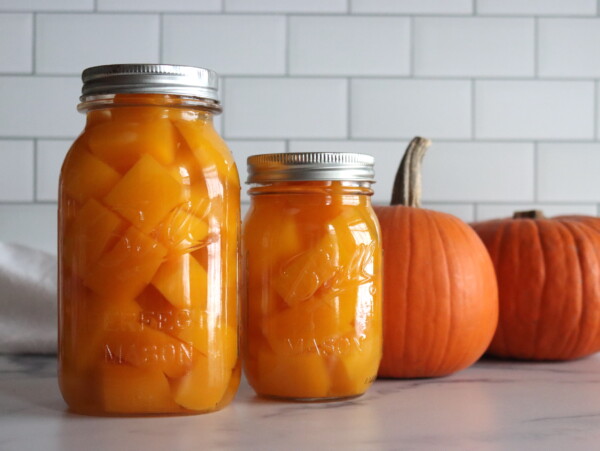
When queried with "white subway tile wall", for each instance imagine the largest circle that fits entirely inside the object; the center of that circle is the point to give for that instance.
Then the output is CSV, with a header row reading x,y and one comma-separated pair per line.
x,y
474,47
287,6
569,48
49,156
332,46
404,108
569,172
16,43
64,43
39,106
47,5
507,90
412,6
479,171
285,108
187,6
539,7
229,44
534,109
16,170
241,150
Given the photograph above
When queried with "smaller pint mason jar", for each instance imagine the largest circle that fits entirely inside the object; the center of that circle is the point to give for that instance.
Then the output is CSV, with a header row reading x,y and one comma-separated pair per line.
x,y
148,247
311,296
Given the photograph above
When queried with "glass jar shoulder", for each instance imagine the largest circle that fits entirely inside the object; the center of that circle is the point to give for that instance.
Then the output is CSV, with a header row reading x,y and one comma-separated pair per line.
x,y
282,218
183,141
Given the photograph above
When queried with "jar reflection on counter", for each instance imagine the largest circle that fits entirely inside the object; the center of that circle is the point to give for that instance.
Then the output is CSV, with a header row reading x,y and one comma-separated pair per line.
x,y
311,296
148,247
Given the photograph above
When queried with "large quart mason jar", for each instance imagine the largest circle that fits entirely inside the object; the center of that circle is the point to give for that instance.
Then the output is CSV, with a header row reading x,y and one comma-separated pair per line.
x,y
312,276
148,247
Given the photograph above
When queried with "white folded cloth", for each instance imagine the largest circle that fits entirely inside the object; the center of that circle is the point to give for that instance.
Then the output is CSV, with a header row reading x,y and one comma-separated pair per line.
x,y
28,321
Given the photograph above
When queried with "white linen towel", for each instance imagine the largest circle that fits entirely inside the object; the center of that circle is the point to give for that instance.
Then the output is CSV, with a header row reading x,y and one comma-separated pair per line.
x,y
27,300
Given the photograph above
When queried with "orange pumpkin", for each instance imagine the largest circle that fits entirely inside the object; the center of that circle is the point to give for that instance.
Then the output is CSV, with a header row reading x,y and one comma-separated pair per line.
x,y
440,294
549,284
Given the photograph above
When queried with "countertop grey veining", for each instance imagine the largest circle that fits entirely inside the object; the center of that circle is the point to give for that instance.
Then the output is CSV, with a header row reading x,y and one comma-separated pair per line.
x,y
494,405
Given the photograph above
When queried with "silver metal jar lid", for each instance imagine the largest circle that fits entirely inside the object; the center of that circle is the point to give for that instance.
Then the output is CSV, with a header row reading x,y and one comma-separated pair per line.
x,y
279,167
150,79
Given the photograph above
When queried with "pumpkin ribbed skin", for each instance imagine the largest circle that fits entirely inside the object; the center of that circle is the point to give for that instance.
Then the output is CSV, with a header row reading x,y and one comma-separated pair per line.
x,y
440,295
548,274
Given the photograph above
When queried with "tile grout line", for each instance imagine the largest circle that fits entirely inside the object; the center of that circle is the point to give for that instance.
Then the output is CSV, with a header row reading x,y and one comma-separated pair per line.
x,y
411,48
287,46
535,171
160,38
35,169
536,47
596,118
340,76
33,43
473,112
222,84
395,139
309,14
348,108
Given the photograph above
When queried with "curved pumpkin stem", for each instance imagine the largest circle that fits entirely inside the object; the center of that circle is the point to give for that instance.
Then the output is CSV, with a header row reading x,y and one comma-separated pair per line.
x,y
529,214
407,185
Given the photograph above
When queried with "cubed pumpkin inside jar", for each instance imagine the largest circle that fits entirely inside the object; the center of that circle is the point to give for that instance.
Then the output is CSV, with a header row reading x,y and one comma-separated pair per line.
x,y
132,390
121,144
128,267
183,282
135,209
92,231
303,313
292,376
205,385
86,176
145,194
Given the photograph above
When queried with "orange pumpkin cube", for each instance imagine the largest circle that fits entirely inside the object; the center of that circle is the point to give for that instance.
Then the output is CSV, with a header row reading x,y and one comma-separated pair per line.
x,y
304,327
85,176
128,267
302,276
210,150
355,367
91,232
294,376
145,195
183,282
160,314
121,144
127,390
182,231
205,386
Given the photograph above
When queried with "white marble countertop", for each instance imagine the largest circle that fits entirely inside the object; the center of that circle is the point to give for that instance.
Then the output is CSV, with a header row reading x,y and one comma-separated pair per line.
x,y
492,406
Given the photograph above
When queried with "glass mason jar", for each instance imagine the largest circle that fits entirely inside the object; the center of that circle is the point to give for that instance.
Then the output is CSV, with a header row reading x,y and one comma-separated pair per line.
x,y
311,296
148,247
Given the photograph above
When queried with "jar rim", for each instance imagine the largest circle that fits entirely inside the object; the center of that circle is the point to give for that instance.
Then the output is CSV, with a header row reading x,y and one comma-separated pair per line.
x,y
90,103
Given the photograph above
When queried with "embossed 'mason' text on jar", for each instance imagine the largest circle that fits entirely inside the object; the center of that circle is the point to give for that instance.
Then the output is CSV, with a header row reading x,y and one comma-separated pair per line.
x,y
148,247
311,296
